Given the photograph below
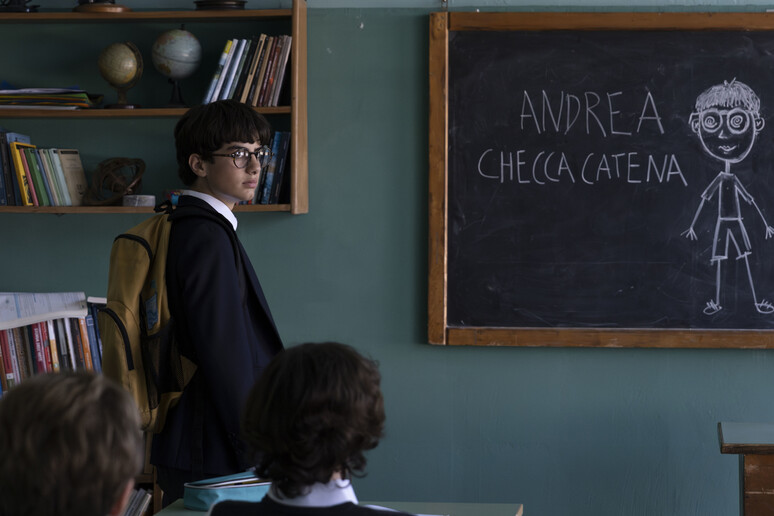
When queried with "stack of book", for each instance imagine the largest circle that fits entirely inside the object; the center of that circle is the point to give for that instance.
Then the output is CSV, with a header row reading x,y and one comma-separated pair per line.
x,y
47,332
45,98
251,71
30,176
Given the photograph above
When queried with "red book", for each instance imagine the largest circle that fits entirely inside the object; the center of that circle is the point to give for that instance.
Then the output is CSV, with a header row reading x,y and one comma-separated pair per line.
x,y
37,345
46,345
3,376
270,72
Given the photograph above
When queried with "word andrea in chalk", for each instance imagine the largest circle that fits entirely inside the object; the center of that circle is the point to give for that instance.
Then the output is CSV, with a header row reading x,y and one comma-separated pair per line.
x,y
589,113
543,167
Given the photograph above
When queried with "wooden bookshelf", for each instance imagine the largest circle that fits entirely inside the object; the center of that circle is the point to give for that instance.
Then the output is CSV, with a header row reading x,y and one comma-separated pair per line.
x,y
296,112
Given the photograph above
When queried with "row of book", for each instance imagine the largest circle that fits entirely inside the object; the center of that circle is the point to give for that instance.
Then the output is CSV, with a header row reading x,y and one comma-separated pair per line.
x,y
273,170
251,70
32,176
51,345
138,503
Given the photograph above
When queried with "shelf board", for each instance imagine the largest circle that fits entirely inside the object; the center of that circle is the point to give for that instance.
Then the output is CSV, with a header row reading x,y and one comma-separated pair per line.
x,y
117,113
205,16
62,210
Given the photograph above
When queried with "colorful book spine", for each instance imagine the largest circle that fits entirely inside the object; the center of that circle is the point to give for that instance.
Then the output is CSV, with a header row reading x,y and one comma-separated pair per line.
x,y
224,72
41,188
217,74
282,72
84,335
232,68
279,172
239,73
52,346
72,353
271,169
254,64
45,165
37,348
21,175
60,179
7,367
96,358
15,367
63,346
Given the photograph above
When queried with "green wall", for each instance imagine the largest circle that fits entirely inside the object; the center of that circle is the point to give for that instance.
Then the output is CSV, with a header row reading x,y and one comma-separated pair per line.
x,y
583,432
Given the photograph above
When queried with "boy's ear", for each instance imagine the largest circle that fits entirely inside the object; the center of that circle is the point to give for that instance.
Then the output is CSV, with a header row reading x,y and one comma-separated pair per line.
x,y
694,121
759,123
197,165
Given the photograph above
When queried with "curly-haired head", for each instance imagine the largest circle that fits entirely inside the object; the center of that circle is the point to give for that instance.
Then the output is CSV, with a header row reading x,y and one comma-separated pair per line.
x,y
313,412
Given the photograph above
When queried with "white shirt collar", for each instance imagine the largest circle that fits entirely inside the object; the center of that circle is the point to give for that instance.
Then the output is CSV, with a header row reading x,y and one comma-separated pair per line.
x,y
334,492
216,204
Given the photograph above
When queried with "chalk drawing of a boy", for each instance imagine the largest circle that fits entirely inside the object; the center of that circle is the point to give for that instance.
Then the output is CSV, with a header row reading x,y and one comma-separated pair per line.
x,y
727,120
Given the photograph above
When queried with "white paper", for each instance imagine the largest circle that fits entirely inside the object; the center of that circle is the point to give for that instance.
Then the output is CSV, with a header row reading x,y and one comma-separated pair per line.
x,y
24,308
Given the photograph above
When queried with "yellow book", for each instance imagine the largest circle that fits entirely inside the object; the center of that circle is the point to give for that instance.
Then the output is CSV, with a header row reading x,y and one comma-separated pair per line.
x,y
21,174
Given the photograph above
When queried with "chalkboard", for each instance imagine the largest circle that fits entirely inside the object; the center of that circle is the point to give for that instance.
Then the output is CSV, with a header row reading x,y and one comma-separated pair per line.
x,y
602,179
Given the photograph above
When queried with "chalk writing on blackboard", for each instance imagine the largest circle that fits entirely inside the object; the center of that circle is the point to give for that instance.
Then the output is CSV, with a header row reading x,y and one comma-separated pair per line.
x,y
727,121
587,113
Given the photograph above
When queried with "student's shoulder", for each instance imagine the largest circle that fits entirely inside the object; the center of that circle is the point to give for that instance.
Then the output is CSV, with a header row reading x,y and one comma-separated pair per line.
x,y
199,218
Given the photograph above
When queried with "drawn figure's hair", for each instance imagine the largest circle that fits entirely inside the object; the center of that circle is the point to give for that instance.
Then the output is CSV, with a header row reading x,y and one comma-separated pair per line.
x,y
729,95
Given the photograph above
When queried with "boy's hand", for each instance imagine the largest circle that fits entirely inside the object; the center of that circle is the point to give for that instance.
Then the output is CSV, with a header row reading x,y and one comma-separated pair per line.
x,y
689,233
769,232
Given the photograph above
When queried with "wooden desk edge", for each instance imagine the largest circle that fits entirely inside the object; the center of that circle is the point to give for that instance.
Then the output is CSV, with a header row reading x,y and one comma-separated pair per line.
x,y
743,448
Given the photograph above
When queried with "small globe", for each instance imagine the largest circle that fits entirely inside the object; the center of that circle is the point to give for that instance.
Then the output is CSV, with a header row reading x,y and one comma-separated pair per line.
x,y
120,64
176,54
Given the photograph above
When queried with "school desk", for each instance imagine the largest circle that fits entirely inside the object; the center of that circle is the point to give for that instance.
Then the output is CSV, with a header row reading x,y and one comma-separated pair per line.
x,y
754,443
451,509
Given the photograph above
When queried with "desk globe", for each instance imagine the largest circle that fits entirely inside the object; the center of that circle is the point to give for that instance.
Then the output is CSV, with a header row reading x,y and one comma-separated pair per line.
x,y
176,54
120,64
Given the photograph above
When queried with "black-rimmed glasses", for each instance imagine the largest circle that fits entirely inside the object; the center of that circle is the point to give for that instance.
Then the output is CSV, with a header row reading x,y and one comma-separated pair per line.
x,y
241,156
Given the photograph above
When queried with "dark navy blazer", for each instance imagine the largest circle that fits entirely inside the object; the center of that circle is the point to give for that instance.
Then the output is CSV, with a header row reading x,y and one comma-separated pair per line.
x,y
222,321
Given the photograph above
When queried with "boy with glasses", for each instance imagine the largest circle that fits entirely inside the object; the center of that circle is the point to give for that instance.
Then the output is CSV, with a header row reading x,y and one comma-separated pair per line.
x,y
222,320
727,120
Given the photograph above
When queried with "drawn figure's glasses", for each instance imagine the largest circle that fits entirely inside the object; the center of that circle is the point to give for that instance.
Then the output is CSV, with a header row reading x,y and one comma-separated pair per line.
x,y
241,156
737,120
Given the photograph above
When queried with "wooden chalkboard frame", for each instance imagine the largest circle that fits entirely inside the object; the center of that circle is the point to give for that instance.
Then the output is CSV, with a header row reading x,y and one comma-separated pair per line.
x,y
439,331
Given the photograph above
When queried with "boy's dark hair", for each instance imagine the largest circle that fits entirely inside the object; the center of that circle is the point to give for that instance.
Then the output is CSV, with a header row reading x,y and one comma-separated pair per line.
x,y
314,411
70,443
205,128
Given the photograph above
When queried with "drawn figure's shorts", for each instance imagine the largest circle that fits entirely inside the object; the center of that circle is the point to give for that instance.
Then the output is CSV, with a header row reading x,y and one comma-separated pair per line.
x,y
730,232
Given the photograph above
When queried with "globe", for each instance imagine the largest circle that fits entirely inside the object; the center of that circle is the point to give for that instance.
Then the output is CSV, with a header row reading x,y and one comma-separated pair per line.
x,y
176,54
120,64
